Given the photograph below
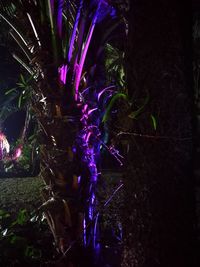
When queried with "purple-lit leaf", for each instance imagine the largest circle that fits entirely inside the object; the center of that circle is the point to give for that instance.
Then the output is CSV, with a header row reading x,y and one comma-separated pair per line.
x,y
104,90
63,73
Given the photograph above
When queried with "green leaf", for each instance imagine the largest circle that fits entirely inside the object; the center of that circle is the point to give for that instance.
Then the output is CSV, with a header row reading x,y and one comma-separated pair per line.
x,y
22,217
22,79
22,85
11,90
111,104
20,101
154,122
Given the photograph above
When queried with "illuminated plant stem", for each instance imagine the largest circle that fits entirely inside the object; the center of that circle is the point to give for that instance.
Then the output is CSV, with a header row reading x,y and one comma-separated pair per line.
x,y
84,53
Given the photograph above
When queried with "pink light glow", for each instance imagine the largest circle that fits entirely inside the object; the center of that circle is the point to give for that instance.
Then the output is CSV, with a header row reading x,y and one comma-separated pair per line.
x,y
4,145
85,107
18,153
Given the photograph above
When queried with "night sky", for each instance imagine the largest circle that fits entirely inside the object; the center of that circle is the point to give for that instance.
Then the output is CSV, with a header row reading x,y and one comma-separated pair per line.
x,y
9,73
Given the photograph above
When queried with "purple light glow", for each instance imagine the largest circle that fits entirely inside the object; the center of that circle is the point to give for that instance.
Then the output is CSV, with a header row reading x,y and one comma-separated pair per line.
x,y
85,90
93,198
84,234
84,137
63,73
90,213
96,246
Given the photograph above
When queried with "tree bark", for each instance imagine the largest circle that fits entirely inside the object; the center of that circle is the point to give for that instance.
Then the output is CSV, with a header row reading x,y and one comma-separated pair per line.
x,y
158,216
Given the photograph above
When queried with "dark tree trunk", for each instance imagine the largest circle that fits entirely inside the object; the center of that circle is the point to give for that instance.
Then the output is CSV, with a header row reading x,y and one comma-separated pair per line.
x,y
159,212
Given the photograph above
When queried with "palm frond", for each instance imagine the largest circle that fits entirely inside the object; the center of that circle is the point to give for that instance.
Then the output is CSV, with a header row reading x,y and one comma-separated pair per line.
x,y
23,64
34,29
12,25
21,44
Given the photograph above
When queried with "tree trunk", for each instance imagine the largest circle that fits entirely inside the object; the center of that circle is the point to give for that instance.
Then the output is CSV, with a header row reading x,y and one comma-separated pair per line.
x,y
159,197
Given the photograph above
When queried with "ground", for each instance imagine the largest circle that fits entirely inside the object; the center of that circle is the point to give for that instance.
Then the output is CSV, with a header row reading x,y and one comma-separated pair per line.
x,y
24,193
20,193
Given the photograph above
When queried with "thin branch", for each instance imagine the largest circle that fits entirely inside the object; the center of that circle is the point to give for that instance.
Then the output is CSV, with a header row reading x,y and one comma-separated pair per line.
x,y
156,136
